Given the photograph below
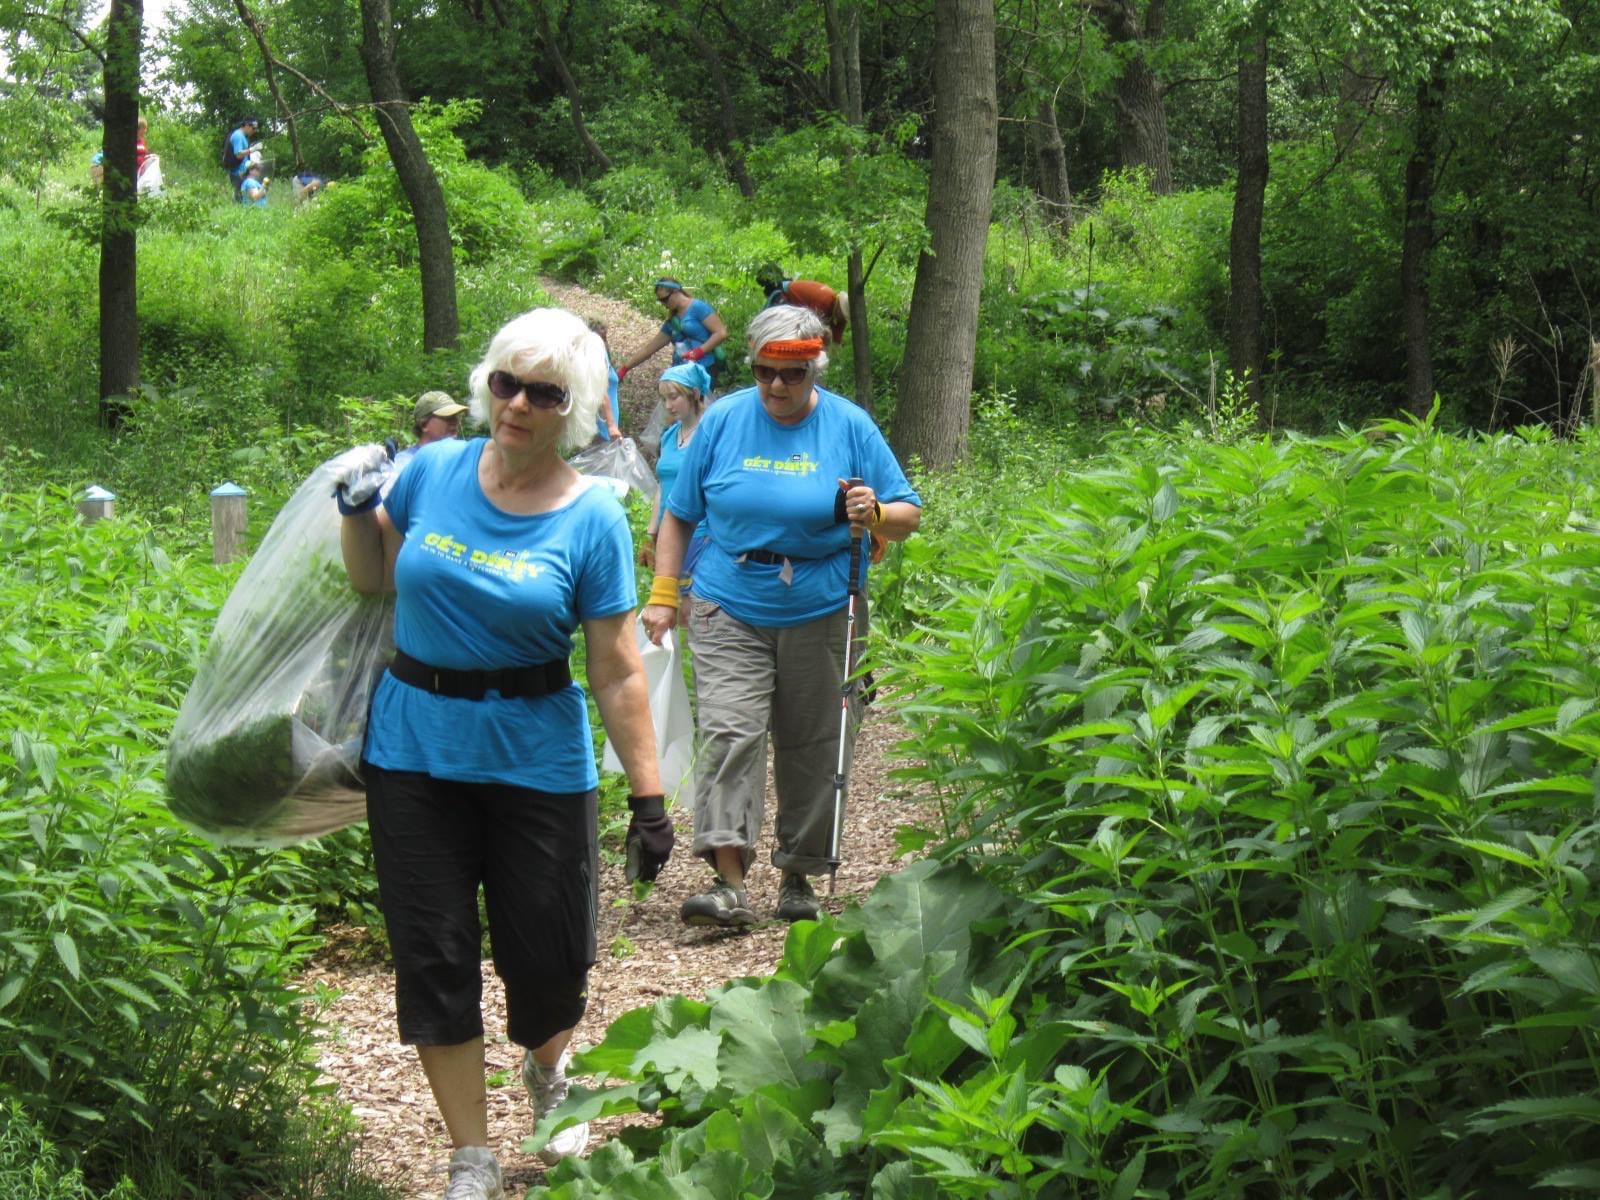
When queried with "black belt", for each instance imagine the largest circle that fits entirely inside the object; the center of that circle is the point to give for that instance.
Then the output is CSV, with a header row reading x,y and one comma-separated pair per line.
x,y
768,558
513,683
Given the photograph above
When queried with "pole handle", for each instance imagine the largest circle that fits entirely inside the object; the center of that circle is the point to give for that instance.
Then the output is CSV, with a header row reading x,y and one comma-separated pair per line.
x,y
856,539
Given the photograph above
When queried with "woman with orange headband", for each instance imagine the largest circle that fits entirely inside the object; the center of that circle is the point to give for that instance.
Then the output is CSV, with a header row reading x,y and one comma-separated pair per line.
x,y
767,472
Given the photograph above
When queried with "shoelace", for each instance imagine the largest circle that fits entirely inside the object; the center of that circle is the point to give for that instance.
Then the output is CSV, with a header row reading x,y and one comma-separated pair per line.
x,y
468,1181
549,1088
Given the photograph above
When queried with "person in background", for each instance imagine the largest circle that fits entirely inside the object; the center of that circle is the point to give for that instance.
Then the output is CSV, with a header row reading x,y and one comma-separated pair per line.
x,y
608,424
240,143
307,183
479,761
692,328
147,166
685,391
831,306
253,190
435,416
767,471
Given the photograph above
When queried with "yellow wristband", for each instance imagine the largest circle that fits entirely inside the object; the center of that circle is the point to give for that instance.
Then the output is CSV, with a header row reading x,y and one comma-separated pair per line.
x,y
877,515
664,590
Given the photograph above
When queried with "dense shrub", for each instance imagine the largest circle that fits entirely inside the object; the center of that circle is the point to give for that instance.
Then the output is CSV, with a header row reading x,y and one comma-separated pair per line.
x,y
1266,773
367,218
1289,744
150,1027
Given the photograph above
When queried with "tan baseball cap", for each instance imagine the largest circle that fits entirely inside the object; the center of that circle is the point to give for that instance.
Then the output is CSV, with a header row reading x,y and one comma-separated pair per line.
x,y
436,404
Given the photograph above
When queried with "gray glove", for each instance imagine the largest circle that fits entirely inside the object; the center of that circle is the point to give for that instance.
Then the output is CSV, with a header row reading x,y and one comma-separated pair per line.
x,y
358,477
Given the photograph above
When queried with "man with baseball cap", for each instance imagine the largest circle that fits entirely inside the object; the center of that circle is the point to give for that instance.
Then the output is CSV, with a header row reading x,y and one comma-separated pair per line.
x,y
436,417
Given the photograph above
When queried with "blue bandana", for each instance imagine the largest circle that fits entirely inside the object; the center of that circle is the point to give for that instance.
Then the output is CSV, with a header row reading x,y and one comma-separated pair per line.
x,y
690,375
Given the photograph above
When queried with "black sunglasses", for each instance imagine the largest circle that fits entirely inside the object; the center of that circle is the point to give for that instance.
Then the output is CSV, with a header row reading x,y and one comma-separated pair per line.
x,y
790,375
503,385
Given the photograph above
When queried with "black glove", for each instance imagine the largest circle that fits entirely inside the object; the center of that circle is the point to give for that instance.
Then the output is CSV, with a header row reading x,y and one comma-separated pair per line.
x,y
649,840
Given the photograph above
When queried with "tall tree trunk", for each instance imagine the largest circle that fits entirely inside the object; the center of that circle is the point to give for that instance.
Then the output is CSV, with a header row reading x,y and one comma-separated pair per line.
x,y
942,333
1417,245
119,245
838,84
1249,199
440,324
569,85
1140,109
1054,185
727,115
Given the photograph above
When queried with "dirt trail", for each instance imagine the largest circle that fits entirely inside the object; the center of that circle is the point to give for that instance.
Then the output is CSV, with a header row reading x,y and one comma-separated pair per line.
x,y
645,952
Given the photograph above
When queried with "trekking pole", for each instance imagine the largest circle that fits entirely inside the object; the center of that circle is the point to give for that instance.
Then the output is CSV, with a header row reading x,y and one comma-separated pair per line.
x,y
847,688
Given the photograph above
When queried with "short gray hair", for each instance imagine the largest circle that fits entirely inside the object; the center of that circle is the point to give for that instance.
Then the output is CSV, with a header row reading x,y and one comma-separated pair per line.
x,y
783,323
559,342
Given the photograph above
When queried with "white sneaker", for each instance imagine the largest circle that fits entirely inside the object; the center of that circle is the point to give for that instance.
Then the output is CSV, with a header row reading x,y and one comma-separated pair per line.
x,y
474,1175
547,1087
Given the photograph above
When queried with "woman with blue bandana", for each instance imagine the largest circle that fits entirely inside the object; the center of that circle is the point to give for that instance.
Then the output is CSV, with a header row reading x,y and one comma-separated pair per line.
x,y
784,475
692,329
685,391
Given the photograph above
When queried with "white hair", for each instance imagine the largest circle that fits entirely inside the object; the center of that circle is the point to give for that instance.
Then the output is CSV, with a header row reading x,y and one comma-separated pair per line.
x,y
783,323
558,343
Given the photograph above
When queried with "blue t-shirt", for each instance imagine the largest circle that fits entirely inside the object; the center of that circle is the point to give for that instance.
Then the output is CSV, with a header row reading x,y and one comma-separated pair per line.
x,y
688,329
240,145
667,466
616,410
253,192
478,588
760,485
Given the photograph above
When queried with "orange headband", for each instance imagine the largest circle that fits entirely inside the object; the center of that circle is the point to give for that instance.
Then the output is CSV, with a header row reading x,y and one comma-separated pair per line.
x,y
797,348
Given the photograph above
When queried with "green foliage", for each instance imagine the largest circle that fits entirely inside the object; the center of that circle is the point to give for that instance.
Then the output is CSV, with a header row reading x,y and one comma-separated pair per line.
x,y
32,1169
782,1085
368,219
145,999
1275,765
1285,744
1118,321
830,188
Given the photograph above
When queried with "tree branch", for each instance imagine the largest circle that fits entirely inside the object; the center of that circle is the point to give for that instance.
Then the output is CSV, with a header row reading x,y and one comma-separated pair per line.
x,y
31,14
272,61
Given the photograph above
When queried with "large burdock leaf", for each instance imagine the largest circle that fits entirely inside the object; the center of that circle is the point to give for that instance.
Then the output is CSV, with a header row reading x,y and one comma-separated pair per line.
x,y
879,1037
922,911
765,1037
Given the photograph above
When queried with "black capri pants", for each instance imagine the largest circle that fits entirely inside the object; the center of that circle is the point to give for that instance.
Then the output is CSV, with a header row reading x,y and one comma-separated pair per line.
x,y
536,855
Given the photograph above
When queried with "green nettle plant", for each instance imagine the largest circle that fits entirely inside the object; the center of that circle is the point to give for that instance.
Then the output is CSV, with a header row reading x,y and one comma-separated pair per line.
x,y
1267,776
148,1022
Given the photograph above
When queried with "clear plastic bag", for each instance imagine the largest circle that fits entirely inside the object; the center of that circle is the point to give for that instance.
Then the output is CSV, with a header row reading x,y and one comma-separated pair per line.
x,y
672,716
267,746
617,459
650,439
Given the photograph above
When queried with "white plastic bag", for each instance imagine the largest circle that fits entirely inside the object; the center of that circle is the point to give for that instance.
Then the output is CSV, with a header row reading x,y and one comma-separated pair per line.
x,y
267,745
674,721
150,176
618,459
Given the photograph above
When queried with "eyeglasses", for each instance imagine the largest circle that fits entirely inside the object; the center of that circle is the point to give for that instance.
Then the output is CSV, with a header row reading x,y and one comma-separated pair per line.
x,y
790,375
503,385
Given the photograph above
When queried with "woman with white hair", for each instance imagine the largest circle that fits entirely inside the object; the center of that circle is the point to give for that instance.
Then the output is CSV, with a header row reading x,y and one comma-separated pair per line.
x,y
479,762
767,473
